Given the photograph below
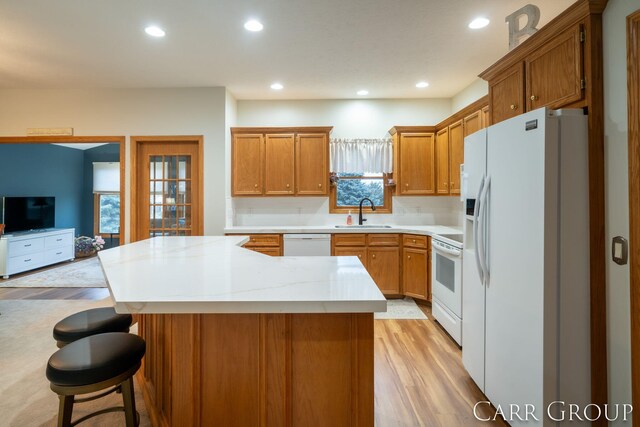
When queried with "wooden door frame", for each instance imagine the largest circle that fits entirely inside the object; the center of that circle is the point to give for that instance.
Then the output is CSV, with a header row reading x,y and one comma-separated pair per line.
x,y
136,142
633,102
86,140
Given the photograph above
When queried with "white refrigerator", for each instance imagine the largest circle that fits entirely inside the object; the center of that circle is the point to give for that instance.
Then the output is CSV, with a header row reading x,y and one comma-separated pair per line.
x,y
525,300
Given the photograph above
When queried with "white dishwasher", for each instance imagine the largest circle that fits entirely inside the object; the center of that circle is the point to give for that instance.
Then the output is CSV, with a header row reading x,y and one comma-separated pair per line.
x,y
307,245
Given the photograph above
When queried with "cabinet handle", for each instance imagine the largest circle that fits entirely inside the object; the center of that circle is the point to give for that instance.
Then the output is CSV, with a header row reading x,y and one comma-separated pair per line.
x,y
26,246
58,253
359,256
319,185
255,185
373,256
514,107
408,256
407,184
533,98
27,260
414,240
288,186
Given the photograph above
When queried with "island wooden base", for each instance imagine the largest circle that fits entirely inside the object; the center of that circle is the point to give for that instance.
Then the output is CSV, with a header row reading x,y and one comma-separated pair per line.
x,y
258,369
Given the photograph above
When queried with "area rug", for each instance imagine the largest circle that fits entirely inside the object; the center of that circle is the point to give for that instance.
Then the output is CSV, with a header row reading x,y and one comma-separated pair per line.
x,y
80,274
25,346
401,309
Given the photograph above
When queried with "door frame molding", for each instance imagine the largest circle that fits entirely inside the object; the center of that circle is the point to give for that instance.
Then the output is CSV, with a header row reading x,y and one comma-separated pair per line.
x,y
84,139
136,142
633,103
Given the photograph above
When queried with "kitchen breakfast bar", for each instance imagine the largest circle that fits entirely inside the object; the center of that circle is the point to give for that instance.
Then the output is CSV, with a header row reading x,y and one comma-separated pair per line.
x,y
238,338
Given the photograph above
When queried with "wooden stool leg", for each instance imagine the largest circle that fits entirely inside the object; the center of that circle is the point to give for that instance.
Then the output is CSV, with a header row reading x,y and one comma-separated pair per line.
x,y
65,409
129,401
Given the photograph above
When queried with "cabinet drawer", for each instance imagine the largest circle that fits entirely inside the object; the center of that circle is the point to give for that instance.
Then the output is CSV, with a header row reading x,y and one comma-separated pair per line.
x,y
27,246
263,240
383,239
25,262
361,253
59,240
415,241
52,256
349,239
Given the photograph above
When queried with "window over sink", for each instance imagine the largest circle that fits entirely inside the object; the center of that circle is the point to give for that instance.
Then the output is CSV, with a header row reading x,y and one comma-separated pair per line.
x,y
350,188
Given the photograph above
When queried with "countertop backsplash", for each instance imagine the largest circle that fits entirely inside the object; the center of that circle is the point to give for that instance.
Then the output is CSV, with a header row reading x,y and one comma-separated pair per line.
x,y
247,211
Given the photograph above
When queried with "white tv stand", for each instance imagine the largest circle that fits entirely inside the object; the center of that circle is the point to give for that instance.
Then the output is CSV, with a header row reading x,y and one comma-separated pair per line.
x,y
28,250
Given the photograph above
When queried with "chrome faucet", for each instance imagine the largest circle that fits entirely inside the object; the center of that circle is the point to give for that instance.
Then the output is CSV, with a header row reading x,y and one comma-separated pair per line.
x,y
373,208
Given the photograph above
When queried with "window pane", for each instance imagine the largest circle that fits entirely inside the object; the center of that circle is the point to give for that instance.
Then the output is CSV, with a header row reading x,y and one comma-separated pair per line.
x,y
109,213
351,191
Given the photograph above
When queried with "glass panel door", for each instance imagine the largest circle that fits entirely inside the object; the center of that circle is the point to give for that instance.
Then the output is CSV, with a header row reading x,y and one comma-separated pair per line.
x,y
170,195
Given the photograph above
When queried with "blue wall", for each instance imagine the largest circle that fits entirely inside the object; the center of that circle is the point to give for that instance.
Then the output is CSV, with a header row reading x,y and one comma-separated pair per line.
x,y
104,153
45,170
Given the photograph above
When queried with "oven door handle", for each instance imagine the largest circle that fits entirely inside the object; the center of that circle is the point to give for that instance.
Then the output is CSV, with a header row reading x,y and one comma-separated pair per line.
x,y
446,251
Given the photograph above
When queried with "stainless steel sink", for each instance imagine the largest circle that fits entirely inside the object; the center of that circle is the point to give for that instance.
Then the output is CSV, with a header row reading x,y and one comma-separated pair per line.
x,y
362,226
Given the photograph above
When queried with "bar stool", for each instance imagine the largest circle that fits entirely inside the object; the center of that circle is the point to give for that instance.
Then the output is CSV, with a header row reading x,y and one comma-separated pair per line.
x,y
90,322
92,364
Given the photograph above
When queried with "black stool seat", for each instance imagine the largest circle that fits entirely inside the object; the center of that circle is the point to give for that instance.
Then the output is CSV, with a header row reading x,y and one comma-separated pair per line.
x,y
95,359
90,322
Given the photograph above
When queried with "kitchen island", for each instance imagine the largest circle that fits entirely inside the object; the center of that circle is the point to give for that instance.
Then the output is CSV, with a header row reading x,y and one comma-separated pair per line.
x,y
237,338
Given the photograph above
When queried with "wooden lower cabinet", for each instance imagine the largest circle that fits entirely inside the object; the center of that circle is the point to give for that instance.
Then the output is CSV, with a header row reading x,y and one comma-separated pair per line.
x,y
383,264
415,273
267,251
268,244
361,253
258,369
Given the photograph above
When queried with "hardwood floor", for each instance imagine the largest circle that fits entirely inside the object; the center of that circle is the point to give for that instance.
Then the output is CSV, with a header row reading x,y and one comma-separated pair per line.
x,y
419,377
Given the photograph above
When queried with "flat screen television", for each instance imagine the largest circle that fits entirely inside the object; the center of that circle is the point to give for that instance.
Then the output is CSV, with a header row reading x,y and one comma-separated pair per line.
x,y
28,213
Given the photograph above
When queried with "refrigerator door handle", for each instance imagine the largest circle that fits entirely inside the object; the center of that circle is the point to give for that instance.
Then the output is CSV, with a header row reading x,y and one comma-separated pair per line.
x,y
485,229
476,226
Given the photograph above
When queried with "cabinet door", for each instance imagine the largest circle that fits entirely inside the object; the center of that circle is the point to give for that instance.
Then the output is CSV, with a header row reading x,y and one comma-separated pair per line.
x,y
247,162
417,164
415,273
383,264
506,94
456,155
361,253
312,167
442,161
472,123
554,72
279,164
267,251
485,117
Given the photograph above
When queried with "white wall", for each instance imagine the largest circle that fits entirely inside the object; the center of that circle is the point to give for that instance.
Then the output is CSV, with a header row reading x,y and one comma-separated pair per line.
x,y
617,200
476,90
190,111
350,118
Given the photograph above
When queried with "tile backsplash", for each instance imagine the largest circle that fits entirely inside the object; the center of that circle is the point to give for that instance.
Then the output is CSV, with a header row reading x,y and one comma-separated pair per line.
x,y
315,211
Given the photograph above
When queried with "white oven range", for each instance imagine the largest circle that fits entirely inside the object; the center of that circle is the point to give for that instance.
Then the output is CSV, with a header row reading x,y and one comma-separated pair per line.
x,y
446,280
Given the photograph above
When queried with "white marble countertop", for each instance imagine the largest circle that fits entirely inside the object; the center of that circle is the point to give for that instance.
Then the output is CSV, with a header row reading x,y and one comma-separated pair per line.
x,y
427,230
213,274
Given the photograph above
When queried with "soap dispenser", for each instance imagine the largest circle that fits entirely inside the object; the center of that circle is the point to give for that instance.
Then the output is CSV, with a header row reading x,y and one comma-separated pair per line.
x,y
349,219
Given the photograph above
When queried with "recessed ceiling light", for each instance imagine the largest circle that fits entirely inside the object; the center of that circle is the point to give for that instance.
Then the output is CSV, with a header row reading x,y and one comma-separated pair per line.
x,y
277,86
422,85
363,92
478,23
253,25
154,31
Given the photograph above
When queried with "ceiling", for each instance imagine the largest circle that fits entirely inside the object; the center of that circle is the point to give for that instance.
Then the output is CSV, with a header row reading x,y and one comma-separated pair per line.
x,y
315,48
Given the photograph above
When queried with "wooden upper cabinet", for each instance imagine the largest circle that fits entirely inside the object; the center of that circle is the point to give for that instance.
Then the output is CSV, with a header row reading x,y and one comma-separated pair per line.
x,y
416,164
472,123
279,164
485,116
312,164
442,161
554,72
506,94
456,155
247,164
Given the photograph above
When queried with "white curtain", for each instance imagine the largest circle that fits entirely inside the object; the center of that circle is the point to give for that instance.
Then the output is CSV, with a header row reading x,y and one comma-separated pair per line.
x,y
106,177
361,155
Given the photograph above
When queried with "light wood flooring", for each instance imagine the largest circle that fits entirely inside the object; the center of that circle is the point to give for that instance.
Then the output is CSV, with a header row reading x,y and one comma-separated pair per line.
x,y
419,377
